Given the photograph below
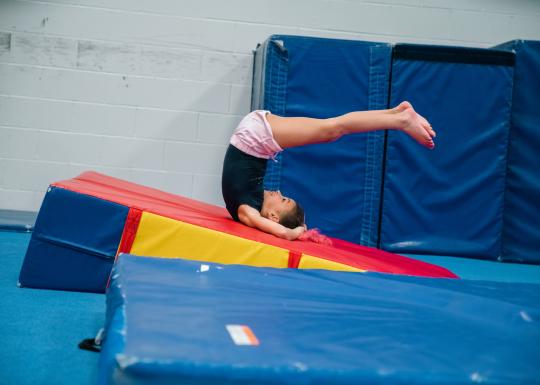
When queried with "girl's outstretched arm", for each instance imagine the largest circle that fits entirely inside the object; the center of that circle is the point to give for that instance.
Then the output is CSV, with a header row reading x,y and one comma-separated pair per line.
x,y
252,218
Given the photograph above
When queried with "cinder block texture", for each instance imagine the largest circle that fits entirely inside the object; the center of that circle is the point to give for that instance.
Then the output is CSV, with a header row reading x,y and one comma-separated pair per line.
x,y
152,90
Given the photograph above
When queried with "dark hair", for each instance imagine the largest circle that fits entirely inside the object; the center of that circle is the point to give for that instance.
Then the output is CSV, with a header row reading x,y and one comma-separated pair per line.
x,y
293,218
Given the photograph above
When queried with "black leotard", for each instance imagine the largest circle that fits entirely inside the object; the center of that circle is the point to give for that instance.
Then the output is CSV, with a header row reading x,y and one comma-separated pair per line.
x,y
242,180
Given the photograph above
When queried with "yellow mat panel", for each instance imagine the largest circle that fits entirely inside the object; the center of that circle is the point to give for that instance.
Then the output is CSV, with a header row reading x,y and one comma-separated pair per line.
x,y
160,236
310,262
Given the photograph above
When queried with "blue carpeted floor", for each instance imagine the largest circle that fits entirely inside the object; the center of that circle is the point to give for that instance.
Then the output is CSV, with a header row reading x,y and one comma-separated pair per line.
x,y
40,329
480,270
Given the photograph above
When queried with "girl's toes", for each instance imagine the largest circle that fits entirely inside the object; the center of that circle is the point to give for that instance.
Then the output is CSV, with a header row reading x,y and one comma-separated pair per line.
x,y
431,132
429,141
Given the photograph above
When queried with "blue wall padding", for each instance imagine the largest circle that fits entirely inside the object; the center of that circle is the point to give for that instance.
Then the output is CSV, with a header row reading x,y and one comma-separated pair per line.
x,y
449,201
74,242
166,324
339,183
521,234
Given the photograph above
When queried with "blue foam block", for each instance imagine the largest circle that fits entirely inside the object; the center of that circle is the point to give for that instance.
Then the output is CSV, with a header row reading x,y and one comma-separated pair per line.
x,y
521,233
449,201
74,242
337,183
167,319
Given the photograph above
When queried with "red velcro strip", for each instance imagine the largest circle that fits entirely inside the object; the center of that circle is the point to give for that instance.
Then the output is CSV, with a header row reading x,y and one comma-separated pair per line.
x,y
294,259
128,235
130,230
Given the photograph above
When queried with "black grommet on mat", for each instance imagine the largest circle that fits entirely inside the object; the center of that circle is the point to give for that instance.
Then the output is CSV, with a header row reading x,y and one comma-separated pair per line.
x,y
90,344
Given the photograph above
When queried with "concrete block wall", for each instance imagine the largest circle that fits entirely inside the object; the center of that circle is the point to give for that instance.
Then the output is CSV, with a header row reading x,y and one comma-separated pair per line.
x,y
150,90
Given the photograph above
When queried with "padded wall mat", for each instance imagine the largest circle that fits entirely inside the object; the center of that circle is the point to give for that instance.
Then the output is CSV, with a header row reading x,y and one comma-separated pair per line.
x,y
337,183
521,233
449,201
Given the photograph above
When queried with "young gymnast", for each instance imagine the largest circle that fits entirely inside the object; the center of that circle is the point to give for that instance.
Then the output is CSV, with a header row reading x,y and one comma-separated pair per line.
x,y
261,136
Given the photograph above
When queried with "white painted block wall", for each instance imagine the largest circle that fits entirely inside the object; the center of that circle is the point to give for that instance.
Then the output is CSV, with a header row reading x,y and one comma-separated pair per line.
x,y
150,90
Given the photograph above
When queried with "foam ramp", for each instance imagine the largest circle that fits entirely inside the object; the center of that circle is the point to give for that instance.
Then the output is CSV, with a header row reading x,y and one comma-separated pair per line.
x,y
340,182
86,221
449,201
179,321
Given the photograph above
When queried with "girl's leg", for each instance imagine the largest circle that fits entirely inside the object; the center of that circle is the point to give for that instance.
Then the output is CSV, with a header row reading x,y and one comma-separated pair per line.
x,y
292,132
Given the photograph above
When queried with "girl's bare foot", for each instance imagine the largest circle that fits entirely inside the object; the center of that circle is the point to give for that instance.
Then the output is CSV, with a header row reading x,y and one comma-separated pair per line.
x,y
415,125
404,105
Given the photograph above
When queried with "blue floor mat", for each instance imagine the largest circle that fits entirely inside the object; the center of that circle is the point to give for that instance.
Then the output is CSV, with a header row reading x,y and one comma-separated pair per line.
x,y
173,321
41,328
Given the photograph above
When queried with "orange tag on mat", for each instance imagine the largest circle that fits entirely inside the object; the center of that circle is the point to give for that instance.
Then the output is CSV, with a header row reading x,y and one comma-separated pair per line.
x,y
242,335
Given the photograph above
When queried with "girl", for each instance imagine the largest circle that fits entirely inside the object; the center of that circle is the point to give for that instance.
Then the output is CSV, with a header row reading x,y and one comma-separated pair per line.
x,y
261,136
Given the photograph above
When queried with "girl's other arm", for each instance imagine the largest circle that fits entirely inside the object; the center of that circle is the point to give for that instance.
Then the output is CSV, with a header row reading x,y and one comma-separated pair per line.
x,y
252,218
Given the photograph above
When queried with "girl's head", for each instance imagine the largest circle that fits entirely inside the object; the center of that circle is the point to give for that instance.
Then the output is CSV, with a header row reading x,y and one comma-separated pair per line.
x,y
285,211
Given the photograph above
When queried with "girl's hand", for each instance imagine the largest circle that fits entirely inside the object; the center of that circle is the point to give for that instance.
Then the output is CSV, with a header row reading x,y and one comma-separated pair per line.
x,y
292,234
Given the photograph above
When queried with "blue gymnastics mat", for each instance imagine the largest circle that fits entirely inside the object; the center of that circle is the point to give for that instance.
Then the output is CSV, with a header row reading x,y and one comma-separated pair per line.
x,y
337,183
180,321
449,201
474,196
520,238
